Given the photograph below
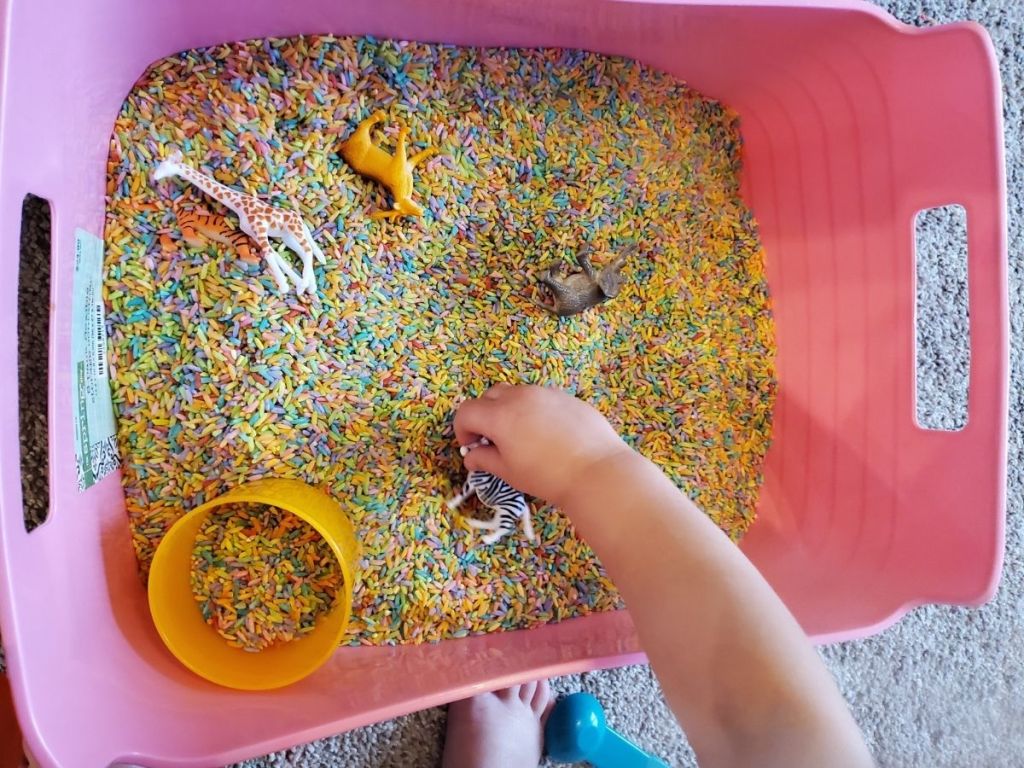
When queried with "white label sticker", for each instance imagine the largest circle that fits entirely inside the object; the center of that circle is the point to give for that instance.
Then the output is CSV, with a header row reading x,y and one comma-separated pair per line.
x,y
96,454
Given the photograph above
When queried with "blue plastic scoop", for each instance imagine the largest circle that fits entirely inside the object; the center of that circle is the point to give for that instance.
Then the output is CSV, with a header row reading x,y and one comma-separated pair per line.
x,y
577,731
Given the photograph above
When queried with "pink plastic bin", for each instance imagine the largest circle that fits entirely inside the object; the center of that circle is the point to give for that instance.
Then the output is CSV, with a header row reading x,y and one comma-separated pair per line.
x,y
852,123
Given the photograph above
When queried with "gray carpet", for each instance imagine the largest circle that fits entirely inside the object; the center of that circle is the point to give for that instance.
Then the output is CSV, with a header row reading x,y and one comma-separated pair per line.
x,y
945,686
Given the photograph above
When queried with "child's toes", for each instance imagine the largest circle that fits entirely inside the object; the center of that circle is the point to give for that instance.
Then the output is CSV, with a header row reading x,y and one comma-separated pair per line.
x,y
527,692
508,694
542,699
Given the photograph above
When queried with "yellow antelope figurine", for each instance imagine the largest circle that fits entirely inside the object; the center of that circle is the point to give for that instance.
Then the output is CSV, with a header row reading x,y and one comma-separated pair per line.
x,y
393,171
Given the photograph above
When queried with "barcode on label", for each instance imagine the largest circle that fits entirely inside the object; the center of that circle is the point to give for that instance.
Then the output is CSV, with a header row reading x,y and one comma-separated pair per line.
x,y
101,343
96,450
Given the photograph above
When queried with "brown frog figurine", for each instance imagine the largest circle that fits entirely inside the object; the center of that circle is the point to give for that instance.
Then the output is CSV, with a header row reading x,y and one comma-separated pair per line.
x,y
577,291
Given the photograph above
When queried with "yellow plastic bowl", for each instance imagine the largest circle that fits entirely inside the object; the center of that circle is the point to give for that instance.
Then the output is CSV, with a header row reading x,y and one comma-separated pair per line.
x,y
197,645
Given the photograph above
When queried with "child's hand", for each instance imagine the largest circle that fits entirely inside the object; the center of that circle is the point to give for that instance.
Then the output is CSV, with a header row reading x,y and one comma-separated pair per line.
x,y
543,441
737,669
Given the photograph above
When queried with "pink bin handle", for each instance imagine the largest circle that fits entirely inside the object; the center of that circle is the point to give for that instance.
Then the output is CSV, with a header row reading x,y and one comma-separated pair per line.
x,y
948,149
15,188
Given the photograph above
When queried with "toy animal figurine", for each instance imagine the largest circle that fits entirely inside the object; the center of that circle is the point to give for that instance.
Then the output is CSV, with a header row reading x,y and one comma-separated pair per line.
x,y
260,221
578,291
198,225
393,171
509,506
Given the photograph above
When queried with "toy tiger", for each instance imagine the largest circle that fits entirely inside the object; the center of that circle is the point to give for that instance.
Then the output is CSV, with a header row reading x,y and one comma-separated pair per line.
x,y
198,225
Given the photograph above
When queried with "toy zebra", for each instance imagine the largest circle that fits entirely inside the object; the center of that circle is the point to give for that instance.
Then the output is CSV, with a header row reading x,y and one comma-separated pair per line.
x,y
509,506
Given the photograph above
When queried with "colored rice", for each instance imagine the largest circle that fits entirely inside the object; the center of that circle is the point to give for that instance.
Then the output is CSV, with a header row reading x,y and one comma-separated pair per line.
x,y
261,575
218,380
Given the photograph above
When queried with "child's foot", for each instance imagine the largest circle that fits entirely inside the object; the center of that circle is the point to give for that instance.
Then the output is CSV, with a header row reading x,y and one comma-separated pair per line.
x,y
503,729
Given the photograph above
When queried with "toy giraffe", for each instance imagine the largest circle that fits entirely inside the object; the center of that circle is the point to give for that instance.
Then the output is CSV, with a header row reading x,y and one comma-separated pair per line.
x,y
393,171
260,221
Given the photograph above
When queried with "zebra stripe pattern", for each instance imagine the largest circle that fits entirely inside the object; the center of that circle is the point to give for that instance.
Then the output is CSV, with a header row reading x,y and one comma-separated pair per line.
x,y
509,506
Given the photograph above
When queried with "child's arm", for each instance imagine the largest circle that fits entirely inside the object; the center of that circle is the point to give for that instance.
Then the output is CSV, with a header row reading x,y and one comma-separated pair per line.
x,y
736,668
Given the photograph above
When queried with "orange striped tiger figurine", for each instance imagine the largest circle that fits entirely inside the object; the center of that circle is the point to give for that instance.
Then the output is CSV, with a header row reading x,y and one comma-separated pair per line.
x,y
198,226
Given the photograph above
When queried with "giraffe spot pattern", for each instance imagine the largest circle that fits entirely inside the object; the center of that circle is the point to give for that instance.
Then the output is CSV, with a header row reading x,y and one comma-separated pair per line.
x,y
258,219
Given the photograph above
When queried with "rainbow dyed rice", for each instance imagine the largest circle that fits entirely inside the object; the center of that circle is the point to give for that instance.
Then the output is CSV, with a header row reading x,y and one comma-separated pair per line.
x,y
217,379
261,575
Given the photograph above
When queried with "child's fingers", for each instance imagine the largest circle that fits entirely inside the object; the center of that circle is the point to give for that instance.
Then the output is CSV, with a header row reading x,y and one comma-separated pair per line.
x,y
464,449
473,420
486,457
496,391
